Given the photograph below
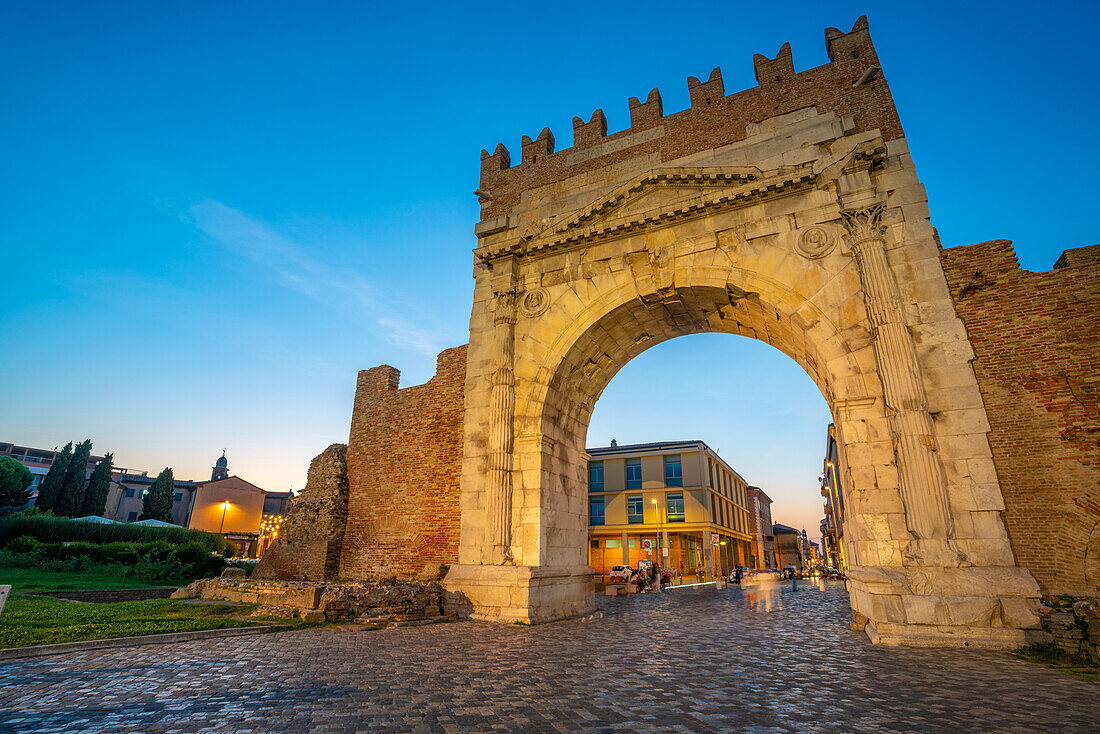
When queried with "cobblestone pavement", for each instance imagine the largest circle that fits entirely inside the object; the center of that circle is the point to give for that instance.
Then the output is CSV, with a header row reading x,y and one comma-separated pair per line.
x,y
688,660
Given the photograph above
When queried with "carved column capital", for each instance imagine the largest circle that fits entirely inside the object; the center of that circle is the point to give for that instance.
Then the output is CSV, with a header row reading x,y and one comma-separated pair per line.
x,y
504,307
864,225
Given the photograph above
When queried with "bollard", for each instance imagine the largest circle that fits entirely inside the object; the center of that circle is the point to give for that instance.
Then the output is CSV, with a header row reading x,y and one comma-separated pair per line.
x,y
794,584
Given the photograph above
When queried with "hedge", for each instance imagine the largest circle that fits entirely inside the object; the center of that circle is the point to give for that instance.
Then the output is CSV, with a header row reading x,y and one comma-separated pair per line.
x,y
156,561
49,529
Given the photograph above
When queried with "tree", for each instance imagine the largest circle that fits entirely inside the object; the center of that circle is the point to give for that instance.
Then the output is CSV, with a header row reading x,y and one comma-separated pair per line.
x,y
50,489
14,480
99,486
157,503
76,479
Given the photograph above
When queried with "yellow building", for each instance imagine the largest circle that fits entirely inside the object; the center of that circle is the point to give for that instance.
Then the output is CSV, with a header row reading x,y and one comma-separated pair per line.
x,y
231,507
676,503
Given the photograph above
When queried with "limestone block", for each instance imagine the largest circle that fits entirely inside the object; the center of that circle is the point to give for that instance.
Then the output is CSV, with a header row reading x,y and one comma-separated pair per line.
x,y
989,525
972,611
1020,613
924,610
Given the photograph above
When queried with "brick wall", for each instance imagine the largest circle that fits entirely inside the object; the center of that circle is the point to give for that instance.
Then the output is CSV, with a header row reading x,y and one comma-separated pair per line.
x,y
309,543
851,83
404,461
1037,340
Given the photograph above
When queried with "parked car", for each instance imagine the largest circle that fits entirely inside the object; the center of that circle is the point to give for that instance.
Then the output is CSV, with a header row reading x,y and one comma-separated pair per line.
x,y
619,574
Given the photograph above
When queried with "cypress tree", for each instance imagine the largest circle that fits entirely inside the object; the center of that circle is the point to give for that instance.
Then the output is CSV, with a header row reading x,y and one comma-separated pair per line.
x,y
76,478
157,504
50,488
95,498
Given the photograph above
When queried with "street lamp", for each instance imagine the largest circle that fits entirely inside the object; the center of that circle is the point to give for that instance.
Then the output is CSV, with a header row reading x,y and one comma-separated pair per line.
x,y
225,506
657,509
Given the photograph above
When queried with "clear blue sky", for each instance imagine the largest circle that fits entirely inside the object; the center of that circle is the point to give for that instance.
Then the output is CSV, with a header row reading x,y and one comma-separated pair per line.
x,y
214,214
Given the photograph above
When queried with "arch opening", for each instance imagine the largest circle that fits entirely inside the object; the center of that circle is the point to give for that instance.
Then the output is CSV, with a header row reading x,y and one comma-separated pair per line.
x,y
743,434
630,329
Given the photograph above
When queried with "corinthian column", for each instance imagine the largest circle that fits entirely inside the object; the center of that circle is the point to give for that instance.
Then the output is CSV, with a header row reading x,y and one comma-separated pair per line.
x,y
923,489
502,409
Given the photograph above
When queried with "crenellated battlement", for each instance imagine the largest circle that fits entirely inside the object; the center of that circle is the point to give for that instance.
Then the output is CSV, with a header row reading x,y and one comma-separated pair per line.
x,y
850,84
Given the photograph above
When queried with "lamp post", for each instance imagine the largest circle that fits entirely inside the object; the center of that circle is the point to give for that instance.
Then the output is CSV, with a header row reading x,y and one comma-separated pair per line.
x,y
657,509
225,506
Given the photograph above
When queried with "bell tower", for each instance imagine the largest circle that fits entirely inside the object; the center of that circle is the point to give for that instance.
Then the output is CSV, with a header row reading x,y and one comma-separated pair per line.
x,y
221,468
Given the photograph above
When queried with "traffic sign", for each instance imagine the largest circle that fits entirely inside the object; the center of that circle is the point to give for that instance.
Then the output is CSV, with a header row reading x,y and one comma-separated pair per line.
x,y
647,544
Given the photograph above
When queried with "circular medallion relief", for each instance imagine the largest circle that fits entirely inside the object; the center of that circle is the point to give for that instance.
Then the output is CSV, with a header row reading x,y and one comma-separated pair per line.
x,y
534,302
815,242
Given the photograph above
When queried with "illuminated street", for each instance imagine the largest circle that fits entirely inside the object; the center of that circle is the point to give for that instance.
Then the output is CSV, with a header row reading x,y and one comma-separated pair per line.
x,y
687,660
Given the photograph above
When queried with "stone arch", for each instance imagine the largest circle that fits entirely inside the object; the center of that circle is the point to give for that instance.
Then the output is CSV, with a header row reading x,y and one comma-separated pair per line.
x,y
807,238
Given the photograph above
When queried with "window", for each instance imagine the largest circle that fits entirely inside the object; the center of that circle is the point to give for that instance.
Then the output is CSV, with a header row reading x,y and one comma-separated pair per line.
x,y
634,474
595,511
630,543
128,493
613,543
595,545
595,477
132,516
676,507
635,509
177,497
674,472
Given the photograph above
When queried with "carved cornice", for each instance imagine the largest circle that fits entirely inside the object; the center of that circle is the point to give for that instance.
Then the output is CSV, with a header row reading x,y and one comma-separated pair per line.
x,y
739,187
721,188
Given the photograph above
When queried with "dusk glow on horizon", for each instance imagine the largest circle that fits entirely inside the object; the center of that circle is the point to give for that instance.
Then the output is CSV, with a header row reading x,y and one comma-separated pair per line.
x,y
215,215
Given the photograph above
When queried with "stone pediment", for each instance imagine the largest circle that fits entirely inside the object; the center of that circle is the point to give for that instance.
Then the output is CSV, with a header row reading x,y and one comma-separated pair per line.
x,y
658,196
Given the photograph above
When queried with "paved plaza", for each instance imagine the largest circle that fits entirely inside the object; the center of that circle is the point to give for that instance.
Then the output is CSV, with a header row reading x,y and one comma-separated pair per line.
x,y
687,660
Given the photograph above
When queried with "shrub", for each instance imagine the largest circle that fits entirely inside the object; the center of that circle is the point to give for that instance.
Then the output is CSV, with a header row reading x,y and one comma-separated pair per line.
x,y
126,554
45,528
89,551
23,544
196,561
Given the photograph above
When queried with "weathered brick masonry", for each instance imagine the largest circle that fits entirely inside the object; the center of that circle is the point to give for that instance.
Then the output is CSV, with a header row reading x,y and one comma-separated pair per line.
x,y
404,459
1037,341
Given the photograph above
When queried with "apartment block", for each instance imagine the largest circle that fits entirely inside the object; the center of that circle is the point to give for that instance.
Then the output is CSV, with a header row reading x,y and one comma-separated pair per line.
x,y
676,503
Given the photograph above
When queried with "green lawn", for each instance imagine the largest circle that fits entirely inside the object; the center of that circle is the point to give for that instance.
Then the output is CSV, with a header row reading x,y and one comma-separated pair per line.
x,y
44,579
32,620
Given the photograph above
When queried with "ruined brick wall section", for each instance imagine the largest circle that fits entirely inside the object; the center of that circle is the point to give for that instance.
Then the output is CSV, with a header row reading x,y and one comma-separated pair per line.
x,y
309,542
1037,341
851,84
404,461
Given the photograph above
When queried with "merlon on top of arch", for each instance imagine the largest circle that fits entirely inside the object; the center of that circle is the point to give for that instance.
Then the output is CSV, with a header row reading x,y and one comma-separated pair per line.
x,y
850,84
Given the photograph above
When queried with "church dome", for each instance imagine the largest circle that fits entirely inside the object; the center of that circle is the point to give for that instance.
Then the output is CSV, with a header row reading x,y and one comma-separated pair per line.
x,y
222,461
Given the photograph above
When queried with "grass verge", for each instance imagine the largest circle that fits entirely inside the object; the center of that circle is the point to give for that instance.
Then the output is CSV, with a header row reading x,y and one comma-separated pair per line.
x,y
31,620
1054,657
48,579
